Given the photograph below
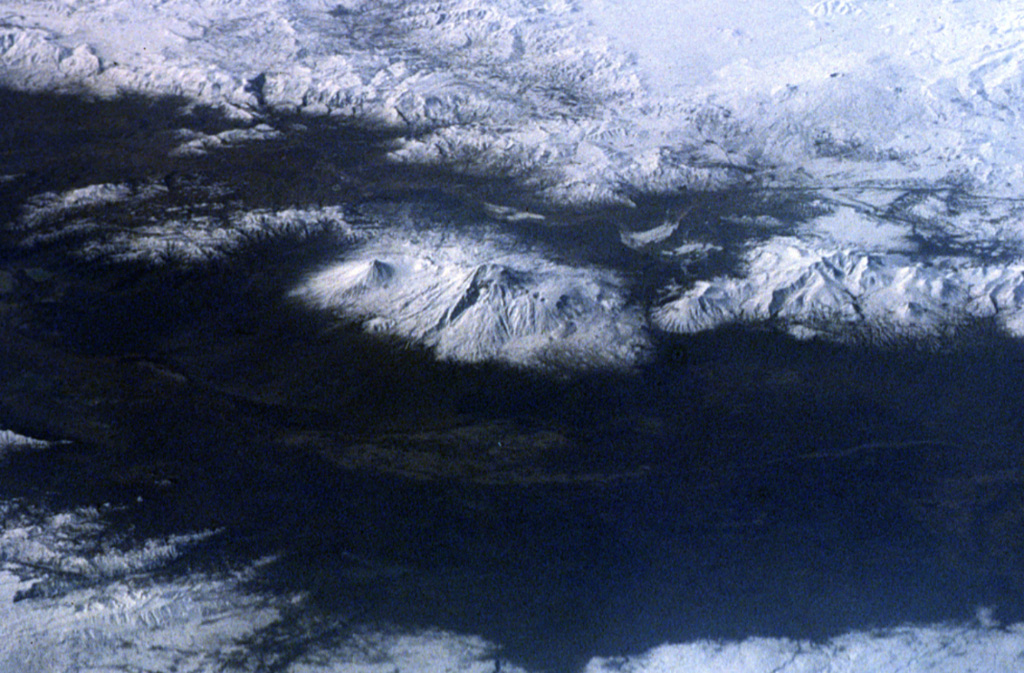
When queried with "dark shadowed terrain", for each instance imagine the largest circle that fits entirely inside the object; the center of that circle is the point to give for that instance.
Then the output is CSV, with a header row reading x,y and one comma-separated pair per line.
x,y
738,483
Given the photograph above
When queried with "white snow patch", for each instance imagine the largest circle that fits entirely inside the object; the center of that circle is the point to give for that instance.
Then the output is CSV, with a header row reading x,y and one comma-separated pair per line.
x,y
65,544
51,204
640,239
429,651
686,44
200,239
693,250
476,298
194,624
509,214
12,441
201,143
935,649
73,597
851,228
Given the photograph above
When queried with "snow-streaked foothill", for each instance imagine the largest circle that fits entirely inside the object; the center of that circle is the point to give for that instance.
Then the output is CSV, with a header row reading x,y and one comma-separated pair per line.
x,y
197,144
178,235
197,239
75,597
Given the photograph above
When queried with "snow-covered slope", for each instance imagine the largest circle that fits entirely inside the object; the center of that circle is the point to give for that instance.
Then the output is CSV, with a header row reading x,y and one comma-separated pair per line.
x,y
475,297
75,596
582,98
81,219
903,118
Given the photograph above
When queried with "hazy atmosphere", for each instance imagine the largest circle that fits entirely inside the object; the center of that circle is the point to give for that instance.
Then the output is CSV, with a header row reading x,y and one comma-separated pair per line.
x,y
568,336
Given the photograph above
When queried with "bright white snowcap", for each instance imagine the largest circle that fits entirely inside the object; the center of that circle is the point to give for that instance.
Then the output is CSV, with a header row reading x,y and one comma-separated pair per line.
x,y
475,298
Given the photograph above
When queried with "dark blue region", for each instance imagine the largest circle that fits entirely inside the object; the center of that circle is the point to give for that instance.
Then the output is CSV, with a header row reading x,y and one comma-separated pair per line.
x,y
739,483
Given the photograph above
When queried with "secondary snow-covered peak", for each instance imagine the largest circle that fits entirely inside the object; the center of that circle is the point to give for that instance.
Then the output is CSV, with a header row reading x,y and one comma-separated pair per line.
x,y
845,293
363,276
